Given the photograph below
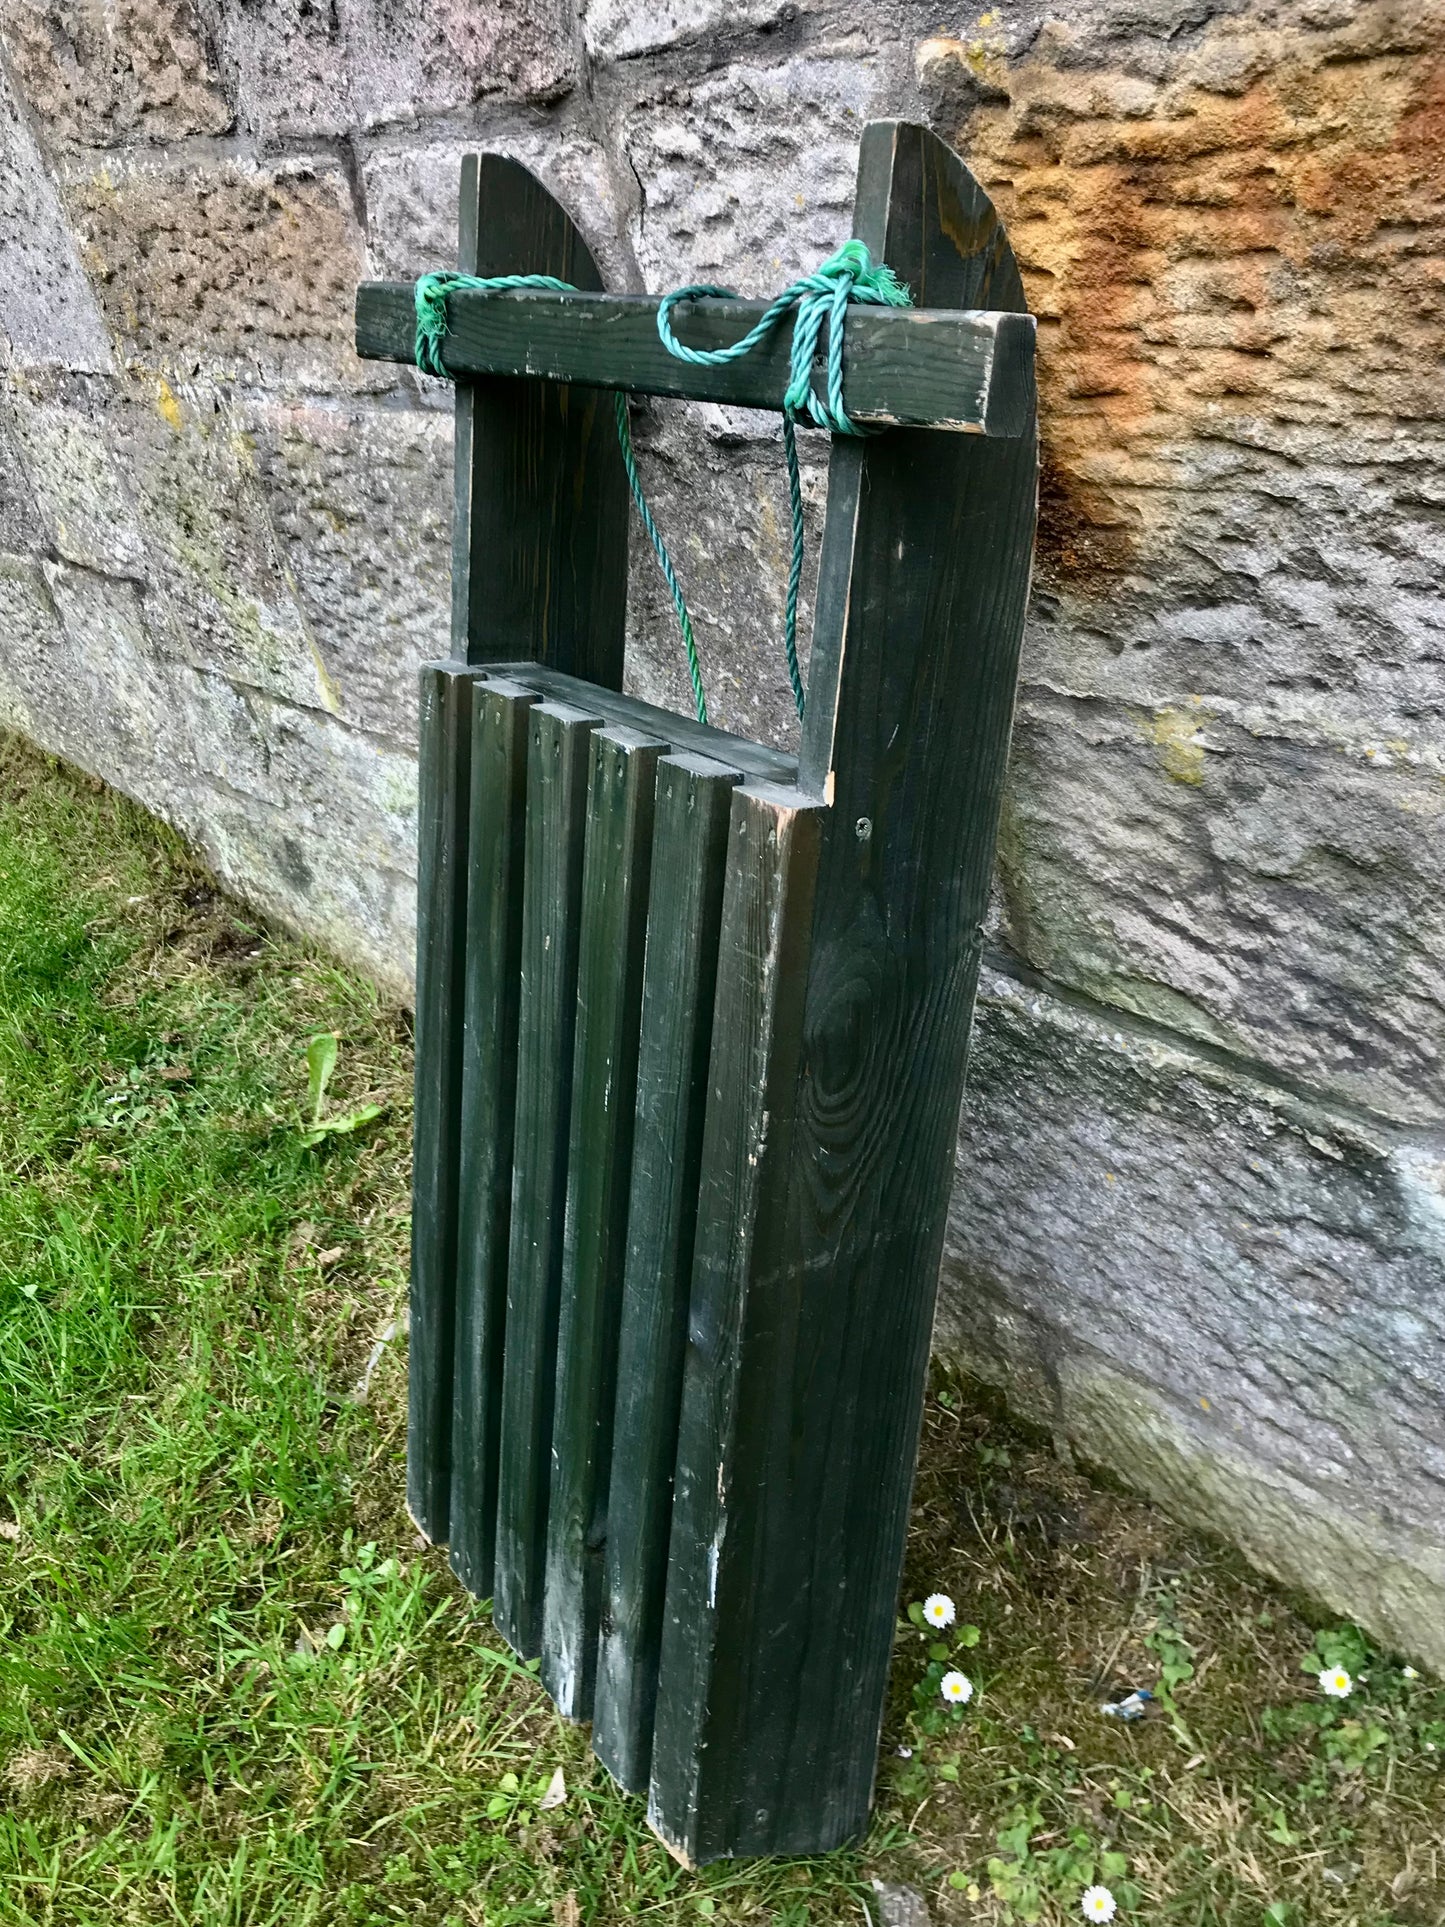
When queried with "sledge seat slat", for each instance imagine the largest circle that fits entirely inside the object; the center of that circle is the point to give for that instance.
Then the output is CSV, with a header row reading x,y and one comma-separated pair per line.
x,y
442,813
616,870
501,724
678,732
689,856
557,764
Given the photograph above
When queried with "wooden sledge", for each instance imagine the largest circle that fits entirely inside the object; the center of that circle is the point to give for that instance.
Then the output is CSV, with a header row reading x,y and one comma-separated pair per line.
x,y
692,1014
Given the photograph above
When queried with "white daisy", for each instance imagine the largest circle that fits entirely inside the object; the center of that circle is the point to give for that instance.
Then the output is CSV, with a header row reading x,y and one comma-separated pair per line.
x,y
1337,1682
938,1609
956,1688
1410,1673
1099,1904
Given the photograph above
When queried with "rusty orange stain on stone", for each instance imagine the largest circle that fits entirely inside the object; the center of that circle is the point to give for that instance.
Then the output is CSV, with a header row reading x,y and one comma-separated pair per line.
x,y
1256,232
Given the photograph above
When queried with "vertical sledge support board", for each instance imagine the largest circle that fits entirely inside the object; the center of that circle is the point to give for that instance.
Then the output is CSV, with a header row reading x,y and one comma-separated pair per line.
x,y
539,570
446,697
501,720
804,1390
689,856
539,567
615,873
557,765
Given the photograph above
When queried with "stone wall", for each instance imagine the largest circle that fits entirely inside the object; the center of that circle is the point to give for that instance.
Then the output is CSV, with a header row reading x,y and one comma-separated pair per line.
x,y
1199,1224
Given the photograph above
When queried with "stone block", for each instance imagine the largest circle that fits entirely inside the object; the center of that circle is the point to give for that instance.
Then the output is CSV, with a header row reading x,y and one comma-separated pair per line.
x,y
48,315
80,675
96,76
1229,1293
360,504
232,269
411,199
66,463
720,497
215,552
621,29
1229,237
306,71
159,487
21,524
1278,897
407,63
290,69
746,176
28,629
313,821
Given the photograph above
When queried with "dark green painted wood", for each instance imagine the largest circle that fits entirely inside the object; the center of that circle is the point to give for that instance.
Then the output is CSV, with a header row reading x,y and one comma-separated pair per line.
x,y
804,1388
681,732
501,719
752,1088
539,567
615,877
967,372
446,699
689,856
557,768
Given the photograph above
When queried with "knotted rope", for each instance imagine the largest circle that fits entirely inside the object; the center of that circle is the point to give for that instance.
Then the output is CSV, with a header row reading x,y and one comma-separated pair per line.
x,y
823,295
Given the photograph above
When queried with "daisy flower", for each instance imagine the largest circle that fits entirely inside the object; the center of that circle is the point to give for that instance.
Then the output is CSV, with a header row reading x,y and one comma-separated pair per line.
x,y
1337,1682
956,1688
1099,1904
1410,1673
938,1609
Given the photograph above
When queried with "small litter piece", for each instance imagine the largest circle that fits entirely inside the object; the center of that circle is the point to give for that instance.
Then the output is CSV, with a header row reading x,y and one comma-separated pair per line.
x,y
556,1794
1132,1707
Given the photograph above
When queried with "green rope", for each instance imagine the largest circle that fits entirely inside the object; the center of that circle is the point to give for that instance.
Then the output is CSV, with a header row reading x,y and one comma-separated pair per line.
x,y
664,560
431,333
823,295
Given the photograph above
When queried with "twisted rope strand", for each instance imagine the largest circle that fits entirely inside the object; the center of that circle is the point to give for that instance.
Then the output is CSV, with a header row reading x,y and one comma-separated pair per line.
x,y
849,275
664,560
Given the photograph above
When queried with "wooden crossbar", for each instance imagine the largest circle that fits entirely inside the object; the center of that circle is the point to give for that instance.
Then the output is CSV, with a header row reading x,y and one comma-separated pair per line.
x,y
971,371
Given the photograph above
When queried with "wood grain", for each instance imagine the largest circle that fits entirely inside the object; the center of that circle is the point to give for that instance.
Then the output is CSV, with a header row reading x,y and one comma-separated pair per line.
x,y
681,732
920,613
616,873
557,766
501,718
689,858
445,750
539,566
967,372
753,1072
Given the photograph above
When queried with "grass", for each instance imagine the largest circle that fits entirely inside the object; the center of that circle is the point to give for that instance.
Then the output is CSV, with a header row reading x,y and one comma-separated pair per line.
x,y
235,1690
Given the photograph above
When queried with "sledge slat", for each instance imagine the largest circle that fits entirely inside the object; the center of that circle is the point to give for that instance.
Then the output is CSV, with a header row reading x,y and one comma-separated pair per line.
x,y
689,855
615,877
501,720
557,763
752,1077
445,752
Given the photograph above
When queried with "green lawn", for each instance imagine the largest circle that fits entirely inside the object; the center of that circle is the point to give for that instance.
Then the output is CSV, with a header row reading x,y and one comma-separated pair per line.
x,y
234,1688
